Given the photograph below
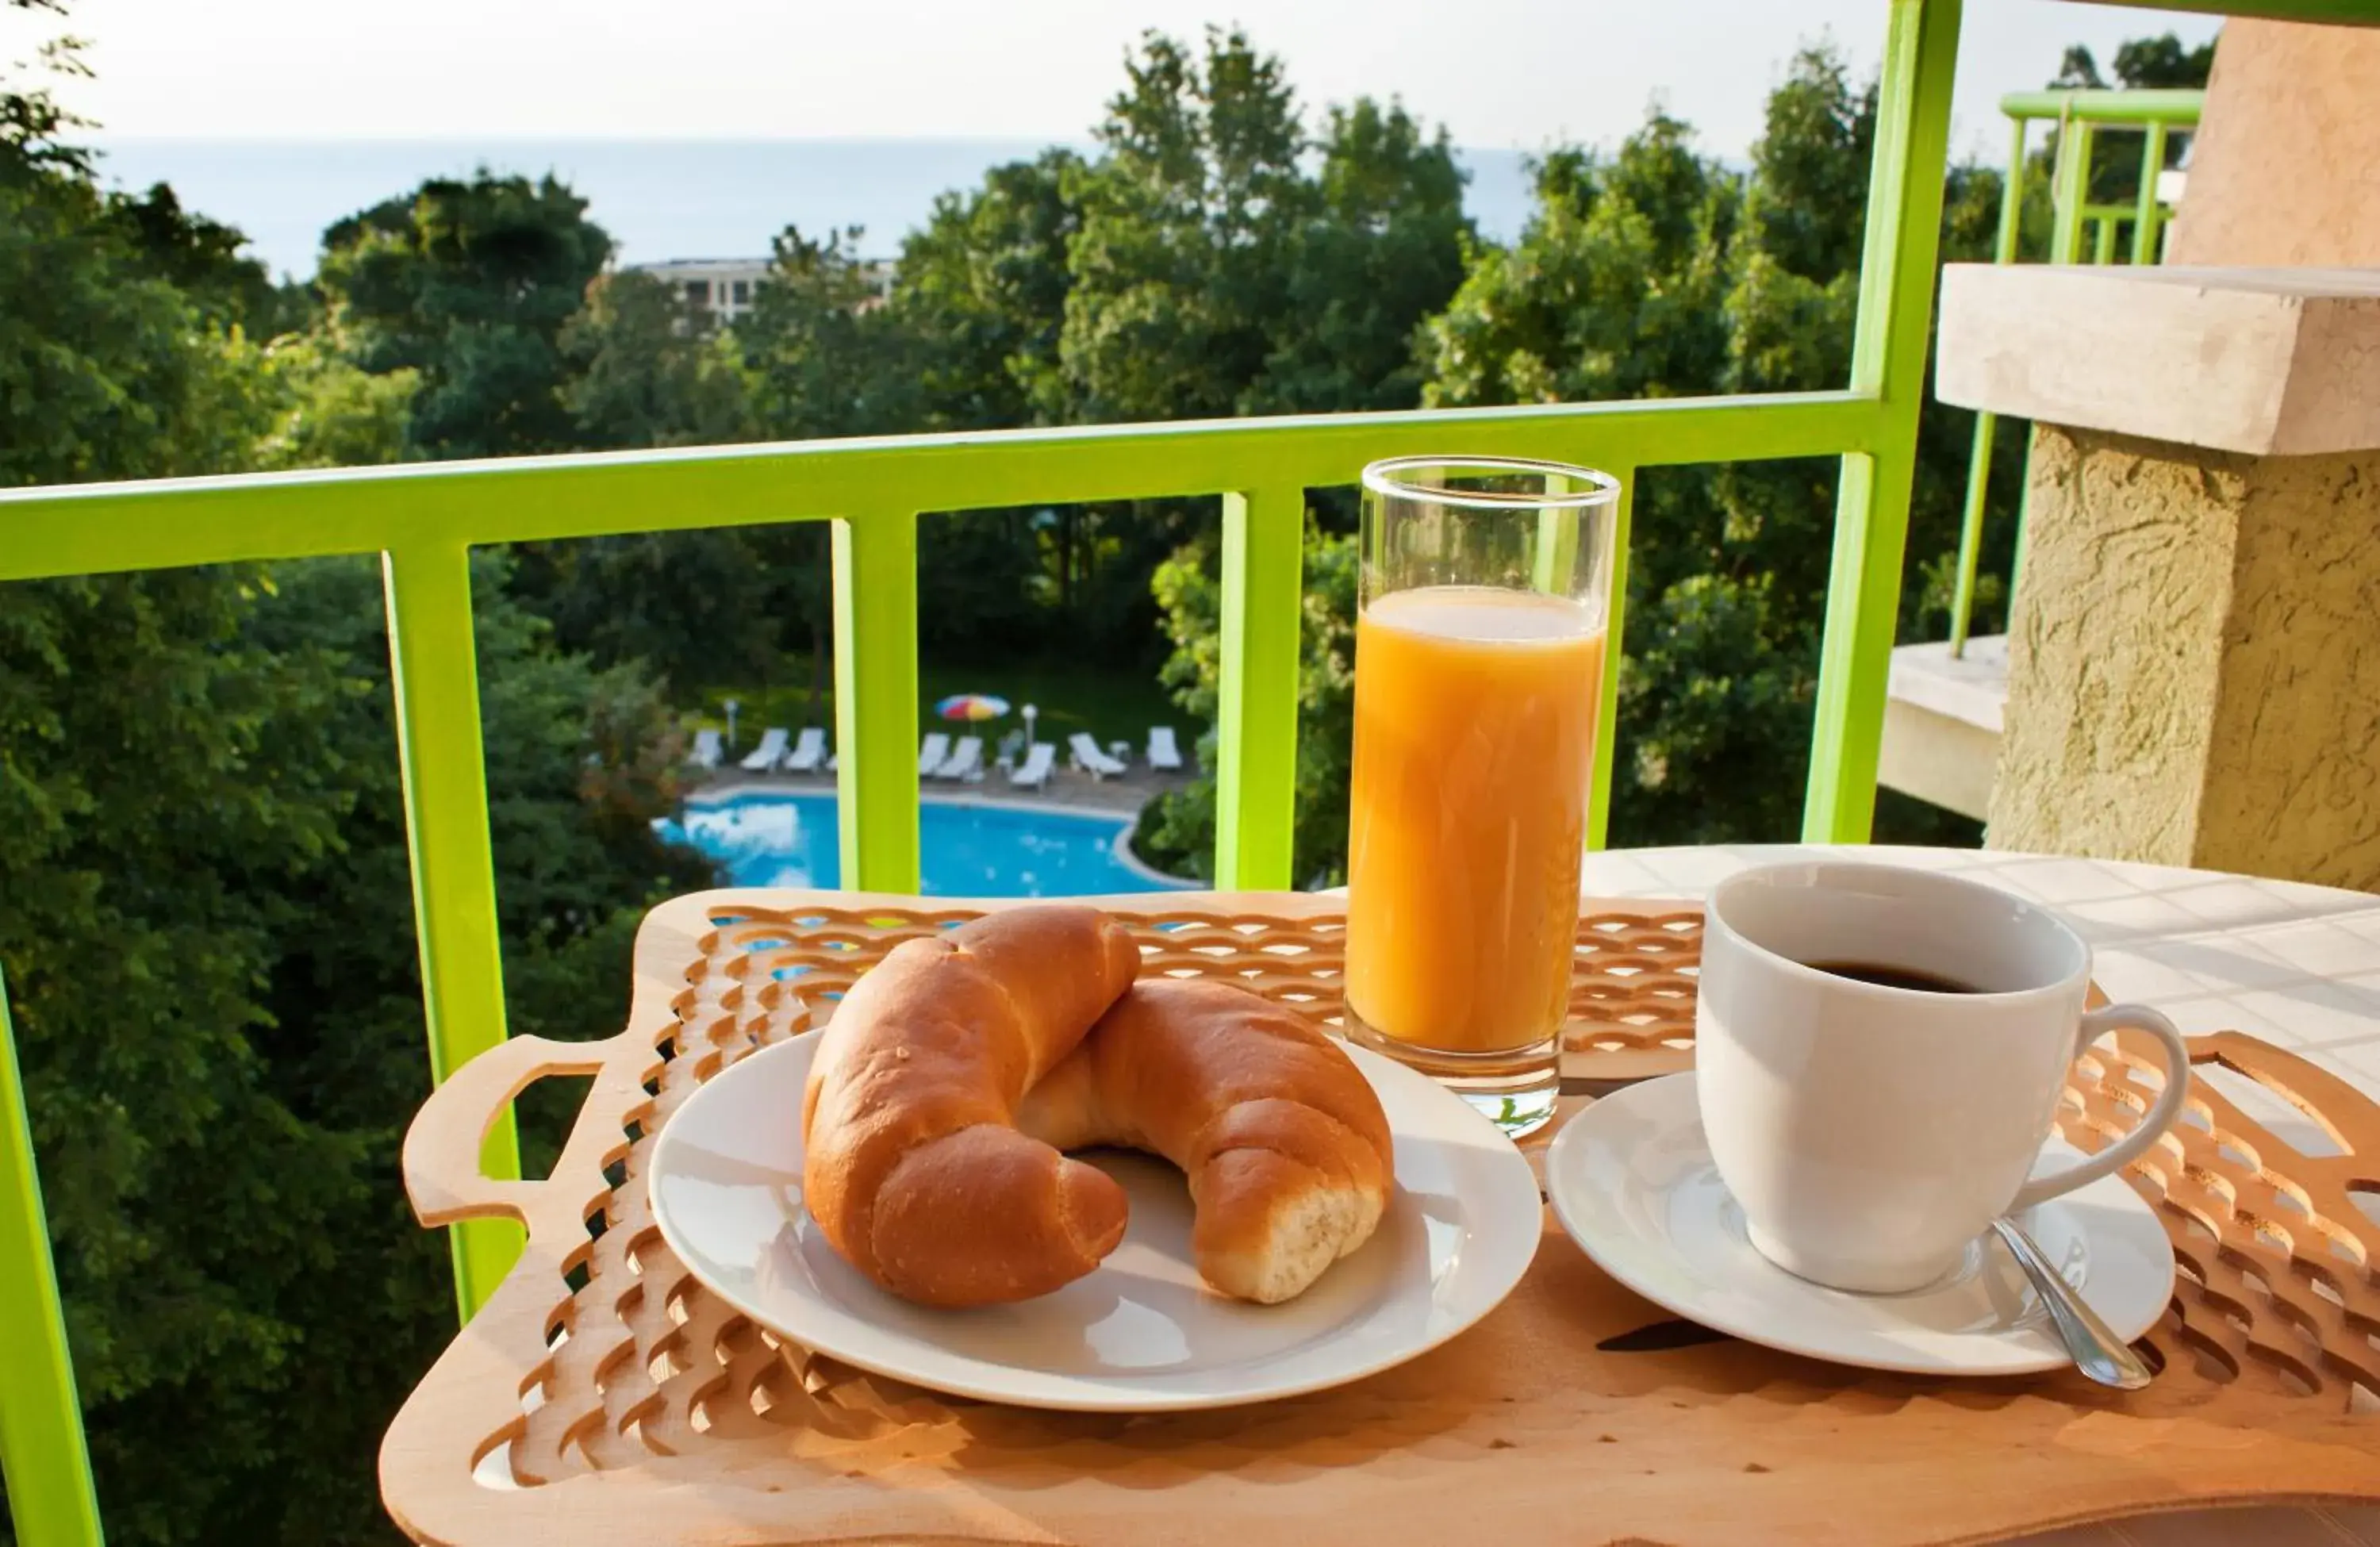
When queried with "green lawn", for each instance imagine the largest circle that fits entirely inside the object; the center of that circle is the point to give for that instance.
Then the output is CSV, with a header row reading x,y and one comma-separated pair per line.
x,y
1113,706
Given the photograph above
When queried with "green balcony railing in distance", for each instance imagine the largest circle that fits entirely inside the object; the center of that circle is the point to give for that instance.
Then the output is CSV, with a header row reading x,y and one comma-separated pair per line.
x,y
2080,116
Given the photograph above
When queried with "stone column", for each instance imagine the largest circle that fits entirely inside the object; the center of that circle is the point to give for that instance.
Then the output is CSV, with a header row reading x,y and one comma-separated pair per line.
x,y
2195,651
2285,165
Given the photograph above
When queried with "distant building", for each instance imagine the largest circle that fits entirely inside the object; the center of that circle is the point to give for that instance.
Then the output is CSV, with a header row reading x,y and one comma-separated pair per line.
x,y
722,286
726,288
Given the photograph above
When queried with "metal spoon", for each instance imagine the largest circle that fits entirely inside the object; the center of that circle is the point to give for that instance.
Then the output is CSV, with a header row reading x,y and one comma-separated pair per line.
x,y
2096,1351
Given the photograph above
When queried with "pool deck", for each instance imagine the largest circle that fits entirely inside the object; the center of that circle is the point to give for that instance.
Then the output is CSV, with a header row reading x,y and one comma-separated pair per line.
x,y
1124,794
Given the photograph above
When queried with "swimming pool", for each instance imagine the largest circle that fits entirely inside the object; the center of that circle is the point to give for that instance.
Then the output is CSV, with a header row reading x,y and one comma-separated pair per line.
x,y
967,848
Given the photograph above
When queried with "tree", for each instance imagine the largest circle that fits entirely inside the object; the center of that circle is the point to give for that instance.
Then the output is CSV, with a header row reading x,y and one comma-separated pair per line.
x,y
1383,249
826,359
162,794
203,902
1296,270
1657,272
2141,64
1177,830
200,774
1614,291
471,284
648,369
984,283
331,413
1188,221
201,258
2145,63
107,369
1660,274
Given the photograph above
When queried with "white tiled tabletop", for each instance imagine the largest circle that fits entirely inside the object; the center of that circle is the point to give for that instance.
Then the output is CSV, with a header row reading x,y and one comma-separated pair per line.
x,y
2296,965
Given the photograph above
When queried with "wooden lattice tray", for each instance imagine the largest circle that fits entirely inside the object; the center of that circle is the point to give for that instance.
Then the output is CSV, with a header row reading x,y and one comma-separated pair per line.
x,y
636,1409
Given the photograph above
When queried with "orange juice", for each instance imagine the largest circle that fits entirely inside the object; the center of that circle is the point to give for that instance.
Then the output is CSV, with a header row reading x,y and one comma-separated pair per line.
x,y
1474,741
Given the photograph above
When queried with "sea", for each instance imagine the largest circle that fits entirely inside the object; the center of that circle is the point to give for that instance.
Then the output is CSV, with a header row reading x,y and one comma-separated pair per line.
x,y
660,198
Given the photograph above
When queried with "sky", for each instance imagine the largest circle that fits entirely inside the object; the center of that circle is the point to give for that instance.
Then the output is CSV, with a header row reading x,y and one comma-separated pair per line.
x,y
1512,74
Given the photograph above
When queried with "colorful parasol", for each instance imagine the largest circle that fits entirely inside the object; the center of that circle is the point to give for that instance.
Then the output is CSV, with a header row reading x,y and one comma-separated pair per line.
x,y
971,706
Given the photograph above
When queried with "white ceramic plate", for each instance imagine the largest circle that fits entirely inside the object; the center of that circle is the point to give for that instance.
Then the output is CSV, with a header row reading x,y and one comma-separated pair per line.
x,y
1631,1179
1141,1333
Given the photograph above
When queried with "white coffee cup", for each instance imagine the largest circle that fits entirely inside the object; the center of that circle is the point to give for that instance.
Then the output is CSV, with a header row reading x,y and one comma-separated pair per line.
x,y
1870,1132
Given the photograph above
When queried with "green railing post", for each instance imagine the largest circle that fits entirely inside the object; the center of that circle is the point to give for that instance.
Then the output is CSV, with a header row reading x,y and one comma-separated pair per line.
x,y
51,1501
876,698
1264,602
2070,189
1979,460
1971,532
1896,302
2147,213
433,658
1607,708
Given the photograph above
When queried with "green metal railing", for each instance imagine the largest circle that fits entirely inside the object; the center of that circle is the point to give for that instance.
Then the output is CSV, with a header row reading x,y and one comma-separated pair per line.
x,y
425,518
2079,117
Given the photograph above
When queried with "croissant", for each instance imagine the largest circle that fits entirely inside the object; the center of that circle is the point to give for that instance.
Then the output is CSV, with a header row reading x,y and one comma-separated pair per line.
x,y
913,1166
1282,1137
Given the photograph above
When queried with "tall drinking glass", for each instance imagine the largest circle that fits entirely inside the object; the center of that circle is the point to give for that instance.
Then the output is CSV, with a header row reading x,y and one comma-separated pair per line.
x,y
1485,588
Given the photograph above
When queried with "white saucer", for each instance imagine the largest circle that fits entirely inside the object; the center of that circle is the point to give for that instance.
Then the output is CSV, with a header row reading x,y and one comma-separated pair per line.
x,y
1632,1180
1141,1333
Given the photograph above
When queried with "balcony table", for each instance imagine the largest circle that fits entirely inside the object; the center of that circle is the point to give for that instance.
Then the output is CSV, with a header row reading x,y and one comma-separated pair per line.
x,y
2297,965
627,1405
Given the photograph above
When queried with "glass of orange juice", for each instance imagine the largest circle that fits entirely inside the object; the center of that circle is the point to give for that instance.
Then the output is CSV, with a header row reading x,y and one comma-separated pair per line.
x,y
1484,593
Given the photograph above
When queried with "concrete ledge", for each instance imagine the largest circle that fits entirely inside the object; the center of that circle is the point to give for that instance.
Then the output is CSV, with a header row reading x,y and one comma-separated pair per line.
x,y
2264,361
1937,758
1972,688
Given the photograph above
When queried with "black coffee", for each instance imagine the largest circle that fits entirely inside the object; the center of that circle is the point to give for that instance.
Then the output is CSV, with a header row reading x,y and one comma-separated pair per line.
x,y
1895,977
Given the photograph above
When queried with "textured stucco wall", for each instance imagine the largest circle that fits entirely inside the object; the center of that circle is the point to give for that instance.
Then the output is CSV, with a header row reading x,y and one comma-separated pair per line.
x,y
2293,764
2194,662
2115,646
2286,167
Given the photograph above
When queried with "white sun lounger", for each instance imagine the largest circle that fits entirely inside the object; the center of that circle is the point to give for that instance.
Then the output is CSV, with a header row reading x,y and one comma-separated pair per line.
x,y
707,750
770,752
965,759
1087,755
1034,772
933,752
808,751
1163,752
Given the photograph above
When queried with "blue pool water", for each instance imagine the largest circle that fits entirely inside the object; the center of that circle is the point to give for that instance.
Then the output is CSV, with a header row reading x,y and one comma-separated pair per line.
x,y
967,849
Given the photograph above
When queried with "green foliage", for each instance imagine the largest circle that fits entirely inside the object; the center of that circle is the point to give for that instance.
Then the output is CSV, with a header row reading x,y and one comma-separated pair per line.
x,y
209,948
1219,271
201,258
1615,289
471,284
825,359
1657,272
204,911
154,811
1212,259
2141,64
1184,252
107,369
648,369
332,413
1177,829
1383,249
986,279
